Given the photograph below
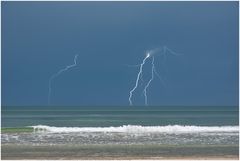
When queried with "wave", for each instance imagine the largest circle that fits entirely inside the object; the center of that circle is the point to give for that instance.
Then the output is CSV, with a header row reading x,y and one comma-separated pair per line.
x,y
139,129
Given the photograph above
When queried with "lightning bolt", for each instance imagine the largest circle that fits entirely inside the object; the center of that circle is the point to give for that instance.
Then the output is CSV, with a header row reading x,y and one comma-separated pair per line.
x,y
138,77
163,51
147,85
57,74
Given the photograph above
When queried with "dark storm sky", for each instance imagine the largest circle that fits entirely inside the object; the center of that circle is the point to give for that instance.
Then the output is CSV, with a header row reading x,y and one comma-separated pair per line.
x,y
40,38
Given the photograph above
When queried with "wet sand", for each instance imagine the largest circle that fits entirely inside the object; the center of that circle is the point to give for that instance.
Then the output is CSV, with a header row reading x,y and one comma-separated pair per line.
x,y
121,152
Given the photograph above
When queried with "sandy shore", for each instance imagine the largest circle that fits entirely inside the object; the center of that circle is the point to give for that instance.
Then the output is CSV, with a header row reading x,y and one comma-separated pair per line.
x,y
126,158
118,152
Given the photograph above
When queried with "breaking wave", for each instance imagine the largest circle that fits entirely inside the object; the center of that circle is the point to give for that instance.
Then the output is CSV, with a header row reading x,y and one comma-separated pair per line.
x,y
139,129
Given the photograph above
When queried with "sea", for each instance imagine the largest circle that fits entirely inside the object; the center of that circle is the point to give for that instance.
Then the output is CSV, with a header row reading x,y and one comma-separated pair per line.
x,y
132,132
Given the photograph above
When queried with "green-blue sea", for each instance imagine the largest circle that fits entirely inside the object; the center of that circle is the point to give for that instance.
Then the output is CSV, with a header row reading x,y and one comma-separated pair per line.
x,y
117,132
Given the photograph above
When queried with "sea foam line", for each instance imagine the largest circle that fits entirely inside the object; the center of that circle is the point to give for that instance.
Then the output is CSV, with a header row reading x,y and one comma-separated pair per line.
x,y
138,129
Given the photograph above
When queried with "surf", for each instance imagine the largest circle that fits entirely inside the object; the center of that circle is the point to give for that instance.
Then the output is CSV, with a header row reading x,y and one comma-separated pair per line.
x,y
139,129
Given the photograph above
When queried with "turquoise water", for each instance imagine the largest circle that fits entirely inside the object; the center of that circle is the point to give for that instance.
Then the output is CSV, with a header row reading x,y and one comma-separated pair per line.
x,y
144,132
122,125
118,116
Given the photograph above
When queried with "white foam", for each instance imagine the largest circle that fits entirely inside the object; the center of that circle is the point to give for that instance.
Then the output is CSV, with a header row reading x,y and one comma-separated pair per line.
x,y
139,129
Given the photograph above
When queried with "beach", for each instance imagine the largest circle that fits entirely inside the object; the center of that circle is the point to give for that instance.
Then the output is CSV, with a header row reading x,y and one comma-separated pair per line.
x,y
121,152
94,133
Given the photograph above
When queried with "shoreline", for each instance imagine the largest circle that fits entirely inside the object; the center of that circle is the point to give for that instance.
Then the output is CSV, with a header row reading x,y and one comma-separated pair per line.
x,y
118,152
126,158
